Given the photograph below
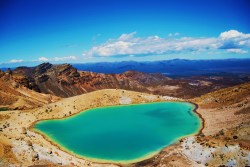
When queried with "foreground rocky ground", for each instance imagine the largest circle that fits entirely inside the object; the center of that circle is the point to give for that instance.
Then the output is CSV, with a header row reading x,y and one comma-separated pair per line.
x,y
225,139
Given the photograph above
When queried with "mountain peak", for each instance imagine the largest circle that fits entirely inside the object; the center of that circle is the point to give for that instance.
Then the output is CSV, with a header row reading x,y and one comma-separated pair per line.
x,y
42,68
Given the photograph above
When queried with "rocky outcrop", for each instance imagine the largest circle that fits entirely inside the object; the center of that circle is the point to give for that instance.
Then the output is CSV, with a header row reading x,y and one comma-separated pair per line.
x,y
18,95
65,81
232,97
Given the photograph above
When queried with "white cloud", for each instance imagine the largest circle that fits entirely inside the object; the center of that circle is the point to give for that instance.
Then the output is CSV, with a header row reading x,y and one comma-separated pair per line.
x,y
234,40
128,44
43,59
238,51
65,58
16,61
233,34
127,36
108,49
173,34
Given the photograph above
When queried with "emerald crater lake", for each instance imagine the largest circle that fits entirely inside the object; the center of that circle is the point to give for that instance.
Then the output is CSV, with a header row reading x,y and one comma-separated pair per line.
x,y
122,134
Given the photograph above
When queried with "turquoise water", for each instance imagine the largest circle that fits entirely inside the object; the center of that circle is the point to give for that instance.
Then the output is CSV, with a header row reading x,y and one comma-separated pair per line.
x,y
122,133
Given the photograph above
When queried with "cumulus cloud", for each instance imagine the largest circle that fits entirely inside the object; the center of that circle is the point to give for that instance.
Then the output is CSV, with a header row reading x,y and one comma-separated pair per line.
x,y
16,61
127,36
234,40
128,44
43,59
233,34
65,58
238,51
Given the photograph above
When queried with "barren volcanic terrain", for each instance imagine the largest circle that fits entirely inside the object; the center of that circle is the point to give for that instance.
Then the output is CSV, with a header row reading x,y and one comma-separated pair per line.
x,y
124,83
44,92
66,81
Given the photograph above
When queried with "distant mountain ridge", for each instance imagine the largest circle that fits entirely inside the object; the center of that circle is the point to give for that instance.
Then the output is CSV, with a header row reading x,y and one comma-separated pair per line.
x,y
64,80
175,67
172,68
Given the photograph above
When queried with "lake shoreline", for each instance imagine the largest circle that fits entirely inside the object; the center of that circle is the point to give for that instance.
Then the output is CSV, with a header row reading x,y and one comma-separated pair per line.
x,y
195,110
141,159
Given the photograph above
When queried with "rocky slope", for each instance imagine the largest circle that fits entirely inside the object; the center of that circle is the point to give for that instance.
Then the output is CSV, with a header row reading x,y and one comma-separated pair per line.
x,y
65,81
16,96
227,97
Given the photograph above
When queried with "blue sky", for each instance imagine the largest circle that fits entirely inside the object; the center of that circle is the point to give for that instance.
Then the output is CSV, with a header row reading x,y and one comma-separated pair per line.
x,y
110,30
